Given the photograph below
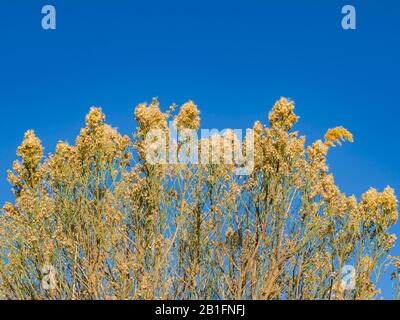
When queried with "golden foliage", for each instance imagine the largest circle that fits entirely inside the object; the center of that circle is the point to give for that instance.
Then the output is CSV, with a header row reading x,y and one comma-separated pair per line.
x,y
114,227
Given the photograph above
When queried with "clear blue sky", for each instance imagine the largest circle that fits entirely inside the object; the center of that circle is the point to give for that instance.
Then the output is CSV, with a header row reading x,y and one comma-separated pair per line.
x,y
233,58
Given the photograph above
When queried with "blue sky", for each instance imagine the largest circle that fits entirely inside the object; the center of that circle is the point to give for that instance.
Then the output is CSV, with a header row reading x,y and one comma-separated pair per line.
x,y
233,58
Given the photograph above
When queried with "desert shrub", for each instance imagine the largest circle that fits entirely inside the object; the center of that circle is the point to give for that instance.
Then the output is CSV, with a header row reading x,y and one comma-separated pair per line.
x,y
95,220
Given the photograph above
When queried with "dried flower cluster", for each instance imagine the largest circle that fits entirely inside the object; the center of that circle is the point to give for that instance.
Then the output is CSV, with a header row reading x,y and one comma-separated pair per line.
x,y
108,225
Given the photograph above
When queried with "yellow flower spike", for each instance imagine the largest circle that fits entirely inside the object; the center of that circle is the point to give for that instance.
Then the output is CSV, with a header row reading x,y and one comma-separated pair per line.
x,y
337,135
188,117
31,150
95,118
388,201
282,115
150,117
